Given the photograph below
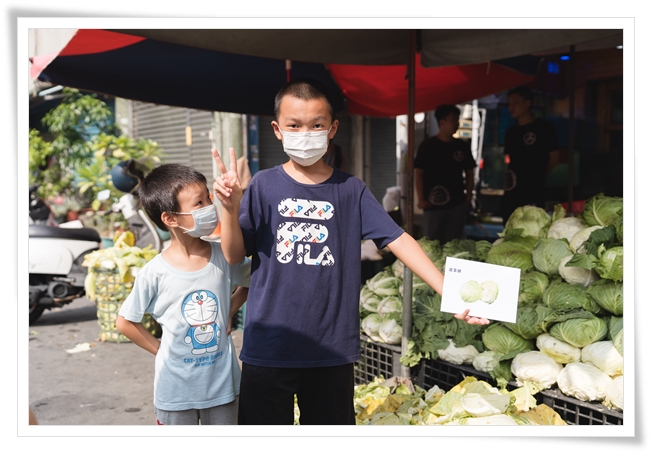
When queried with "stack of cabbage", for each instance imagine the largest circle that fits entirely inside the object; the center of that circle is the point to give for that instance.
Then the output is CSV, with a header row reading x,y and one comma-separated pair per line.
x,y
111,273
569,329
398,401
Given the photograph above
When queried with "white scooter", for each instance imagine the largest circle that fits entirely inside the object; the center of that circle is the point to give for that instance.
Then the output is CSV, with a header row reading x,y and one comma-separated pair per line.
x,y
56,276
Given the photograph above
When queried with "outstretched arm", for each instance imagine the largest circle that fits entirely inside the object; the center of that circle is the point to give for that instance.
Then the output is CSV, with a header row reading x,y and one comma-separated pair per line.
x,y
228,190
407,250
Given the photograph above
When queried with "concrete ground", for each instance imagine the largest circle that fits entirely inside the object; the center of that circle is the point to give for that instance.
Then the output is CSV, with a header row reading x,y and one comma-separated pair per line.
x,y
75,379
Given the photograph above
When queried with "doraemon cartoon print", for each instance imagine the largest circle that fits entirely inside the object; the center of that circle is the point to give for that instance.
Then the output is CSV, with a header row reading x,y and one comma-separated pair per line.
x,y
200,312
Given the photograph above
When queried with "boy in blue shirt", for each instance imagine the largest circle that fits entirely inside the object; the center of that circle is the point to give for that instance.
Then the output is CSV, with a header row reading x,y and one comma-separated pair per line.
x,y
303,223
187,289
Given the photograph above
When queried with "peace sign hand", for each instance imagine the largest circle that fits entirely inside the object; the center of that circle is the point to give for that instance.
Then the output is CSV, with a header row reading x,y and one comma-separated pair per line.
x,y
227,187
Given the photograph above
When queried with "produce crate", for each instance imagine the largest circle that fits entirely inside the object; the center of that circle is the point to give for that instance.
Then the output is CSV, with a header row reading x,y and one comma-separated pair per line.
x,y
572,411
577,412
110,293
377,360
446,375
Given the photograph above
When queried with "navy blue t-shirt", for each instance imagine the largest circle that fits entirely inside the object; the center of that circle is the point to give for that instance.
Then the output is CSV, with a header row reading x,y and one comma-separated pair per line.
x,y
305,242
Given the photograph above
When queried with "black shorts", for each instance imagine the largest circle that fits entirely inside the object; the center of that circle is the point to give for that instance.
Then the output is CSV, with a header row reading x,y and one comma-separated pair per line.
x,y
325,395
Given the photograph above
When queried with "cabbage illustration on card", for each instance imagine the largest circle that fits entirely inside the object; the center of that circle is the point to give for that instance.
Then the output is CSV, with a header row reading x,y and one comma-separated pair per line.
x,y
487,290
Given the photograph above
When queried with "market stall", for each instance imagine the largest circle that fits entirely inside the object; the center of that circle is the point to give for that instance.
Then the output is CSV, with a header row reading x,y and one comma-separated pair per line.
x,y
566,346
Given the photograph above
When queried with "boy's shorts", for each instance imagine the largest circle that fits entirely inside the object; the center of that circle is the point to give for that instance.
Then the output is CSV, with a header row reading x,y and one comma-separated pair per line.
x,y
218,415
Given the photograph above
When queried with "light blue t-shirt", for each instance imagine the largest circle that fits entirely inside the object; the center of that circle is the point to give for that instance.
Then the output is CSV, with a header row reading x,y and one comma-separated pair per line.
x,y
196,366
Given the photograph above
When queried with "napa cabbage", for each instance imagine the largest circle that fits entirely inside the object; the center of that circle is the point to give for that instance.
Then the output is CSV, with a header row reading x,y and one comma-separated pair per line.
x,y
536,367
560,351
583,381
603,355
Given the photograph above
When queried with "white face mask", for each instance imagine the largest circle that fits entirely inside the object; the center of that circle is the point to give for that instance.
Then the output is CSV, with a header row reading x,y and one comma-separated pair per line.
x,y
205,221
305,148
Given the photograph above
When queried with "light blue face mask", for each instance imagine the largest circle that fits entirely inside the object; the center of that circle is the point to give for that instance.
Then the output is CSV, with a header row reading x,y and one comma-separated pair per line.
x,y
205,221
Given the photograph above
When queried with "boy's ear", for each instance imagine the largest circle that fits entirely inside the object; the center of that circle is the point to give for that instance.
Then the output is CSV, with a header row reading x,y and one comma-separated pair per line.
x,y
169,219
276,130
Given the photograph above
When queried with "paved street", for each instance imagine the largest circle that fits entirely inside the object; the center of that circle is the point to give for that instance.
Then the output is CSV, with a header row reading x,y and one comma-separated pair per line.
x,y
107,384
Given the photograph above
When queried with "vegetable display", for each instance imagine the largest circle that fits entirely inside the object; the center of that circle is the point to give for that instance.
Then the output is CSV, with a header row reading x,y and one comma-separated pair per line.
x,y
398,401
569,329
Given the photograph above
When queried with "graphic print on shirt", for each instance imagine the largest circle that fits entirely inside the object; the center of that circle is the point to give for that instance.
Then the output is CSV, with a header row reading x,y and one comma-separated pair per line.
x,y
530,138
200,312
295,238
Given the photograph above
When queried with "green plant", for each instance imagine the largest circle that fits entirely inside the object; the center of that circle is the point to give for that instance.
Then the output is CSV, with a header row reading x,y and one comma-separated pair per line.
x,y
85,144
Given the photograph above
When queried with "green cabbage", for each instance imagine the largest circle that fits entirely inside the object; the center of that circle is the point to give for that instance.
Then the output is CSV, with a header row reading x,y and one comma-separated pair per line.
x,y
470,292
610,263
577,242
511,253
530,320
580,332
602,210
531,220
548,253
560,351
532,285
608,295
562,296
498,338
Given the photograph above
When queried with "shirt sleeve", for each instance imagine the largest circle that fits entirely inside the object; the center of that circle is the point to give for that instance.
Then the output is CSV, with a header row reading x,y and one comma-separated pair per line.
x,y
376,224
241,273
140,300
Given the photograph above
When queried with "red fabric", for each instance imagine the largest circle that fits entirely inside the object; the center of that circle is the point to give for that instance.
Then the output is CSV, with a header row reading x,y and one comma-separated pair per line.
x,y
97,41
383,90
82,43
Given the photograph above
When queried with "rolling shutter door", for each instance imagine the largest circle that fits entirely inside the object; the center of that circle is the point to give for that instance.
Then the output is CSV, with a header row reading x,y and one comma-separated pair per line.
x,y
383,159
166,125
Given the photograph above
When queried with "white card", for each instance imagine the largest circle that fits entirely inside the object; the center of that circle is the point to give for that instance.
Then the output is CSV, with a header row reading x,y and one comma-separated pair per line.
x,y
487,290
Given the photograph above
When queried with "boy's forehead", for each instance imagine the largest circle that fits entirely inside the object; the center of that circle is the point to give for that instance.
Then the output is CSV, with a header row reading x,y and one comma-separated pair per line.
x,y
292,107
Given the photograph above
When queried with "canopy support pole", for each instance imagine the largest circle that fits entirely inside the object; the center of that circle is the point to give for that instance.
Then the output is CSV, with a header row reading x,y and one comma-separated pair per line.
x,y
571,126
407,313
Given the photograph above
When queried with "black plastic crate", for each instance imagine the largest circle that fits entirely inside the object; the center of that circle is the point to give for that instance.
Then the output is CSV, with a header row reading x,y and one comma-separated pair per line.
x,y
446,375
577,412
377,360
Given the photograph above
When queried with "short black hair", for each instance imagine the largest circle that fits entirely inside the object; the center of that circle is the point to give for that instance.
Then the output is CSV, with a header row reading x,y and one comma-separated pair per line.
x,y
304,89
159,190
525,92
445,110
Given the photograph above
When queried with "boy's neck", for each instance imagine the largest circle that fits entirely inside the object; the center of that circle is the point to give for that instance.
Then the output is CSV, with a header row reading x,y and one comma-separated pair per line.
x,y
187,253
317,173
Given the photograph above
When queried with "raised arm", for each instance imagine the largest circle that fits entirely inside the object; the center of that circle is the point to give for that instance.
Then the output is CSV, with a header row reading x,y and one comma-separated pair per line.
x,y
228,191
407,250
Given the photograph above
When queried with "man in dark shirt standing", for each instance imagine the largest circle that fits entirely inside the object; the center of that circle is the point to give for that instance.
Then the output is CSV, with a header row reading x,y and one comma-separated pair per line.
x,y
531,149
444,179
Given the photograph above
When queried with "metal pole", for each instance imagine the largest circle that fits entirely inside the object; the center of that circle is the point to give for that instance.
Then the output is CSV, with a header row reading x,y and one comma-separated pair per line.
x,y
407,319
571,125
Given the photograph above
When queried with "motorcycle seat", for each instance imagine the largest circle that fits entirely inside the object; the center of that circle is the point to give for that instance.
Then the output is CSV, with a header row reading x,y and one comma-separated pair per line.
x,y
53,232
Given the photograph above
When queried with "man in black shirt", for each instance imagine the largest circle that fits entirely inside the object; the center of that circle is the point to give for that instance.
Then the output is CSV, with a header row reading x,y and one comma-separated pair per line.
x,y
531,149
444,179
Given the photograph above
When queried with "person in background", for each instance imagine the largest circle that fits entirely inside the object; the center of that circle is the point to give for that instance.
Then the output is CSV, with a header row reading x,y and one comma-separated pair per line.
x,y
191,290
303,223
444,179
531,152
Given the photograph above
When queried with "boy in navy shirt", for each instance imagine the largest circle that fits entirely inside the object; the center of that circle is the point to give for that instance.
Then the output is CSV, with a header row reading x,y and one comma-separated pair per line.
x,y
303,222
